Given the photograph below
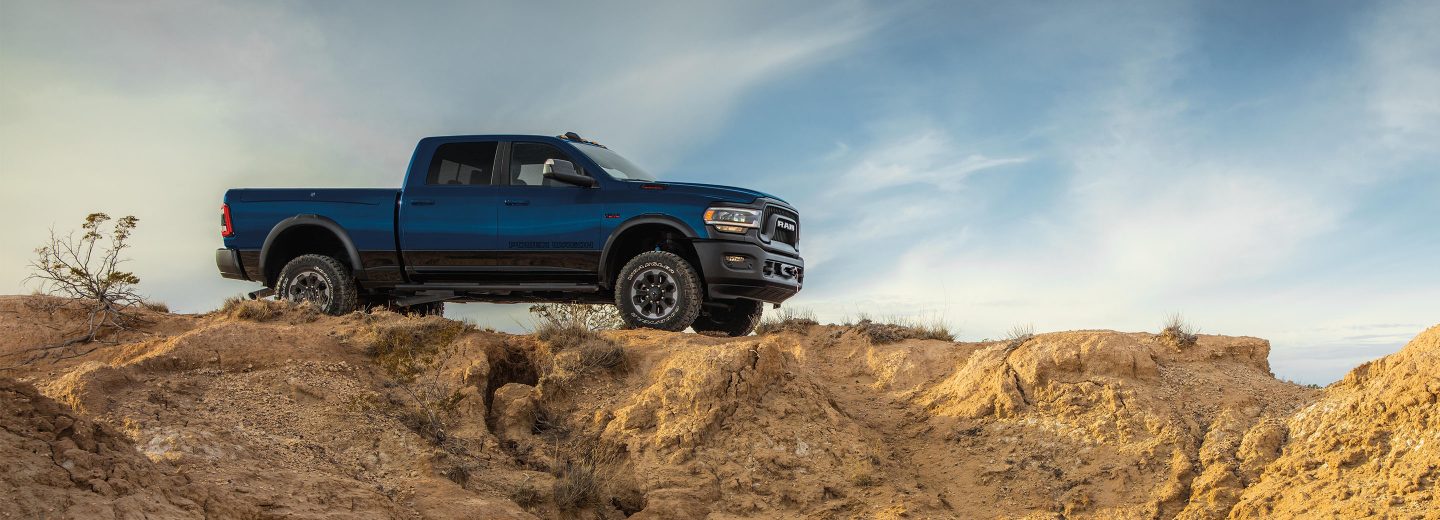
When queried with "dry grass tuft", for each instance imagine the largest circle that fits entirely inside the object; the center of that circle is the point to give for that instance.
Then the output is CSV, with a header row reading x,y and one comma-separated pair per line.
x,y
789,319
862,471
576,486
1018,335
414,352
154,306
238,308
892,330
526,494
1177,332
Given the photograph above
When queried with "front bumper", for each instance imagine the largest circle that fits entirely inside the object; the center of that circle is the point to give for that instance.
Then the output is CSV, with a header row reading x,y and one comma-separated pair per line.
x,y
228,260
762,275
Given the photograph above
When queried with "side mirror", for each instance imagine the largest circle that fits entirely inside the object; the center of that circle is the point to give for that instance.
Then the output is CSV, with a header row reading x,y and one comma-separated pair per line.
x,y
564,171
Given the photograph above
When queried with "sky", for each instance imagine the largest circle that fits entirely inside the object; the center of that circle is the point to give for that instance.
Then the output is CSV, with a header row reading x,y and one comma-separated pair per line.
x,y
1267,169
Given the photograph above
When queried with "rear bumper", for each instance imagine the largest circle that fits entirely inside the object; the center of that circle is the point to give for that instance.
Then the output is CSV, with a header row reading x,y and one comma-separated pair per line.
x,y
760,275
228,260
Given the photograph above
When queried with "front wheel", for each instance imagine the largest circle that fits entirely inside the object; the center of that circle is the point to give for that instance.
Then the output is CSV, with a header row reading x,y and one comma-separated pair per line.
x,y
737,318
320,280
658,290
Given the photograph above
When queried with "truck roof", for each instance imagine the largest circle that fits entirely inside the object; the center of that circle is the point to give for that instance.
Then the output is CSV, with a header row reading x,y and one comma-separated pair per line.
x,y
570,137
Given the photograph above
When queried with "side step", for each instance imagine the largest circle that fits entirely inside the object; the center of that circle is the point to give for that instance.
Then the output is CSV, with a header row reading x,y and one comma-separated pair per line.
x,y
505,287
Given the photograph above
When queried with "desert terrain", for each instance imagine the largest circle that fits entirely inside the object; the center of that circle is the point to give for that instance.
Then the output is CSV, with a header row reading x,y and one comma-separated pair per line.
x,y
263,410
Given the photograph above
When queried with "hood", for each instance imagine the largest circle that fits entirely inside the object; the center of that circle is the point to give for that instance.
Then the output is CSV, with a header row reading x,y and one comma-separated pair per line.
x,y
726,193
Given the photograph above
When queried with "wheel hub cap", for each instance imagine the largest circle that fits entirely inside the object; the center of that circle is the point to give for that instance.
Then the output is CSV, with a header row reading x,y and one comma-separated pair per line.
x,y
310,286
653,292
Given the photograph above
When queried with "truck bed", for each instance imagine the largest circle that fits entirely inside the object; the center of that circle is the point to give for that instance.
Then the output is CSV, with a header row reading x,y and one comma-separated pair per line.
x,y
367,215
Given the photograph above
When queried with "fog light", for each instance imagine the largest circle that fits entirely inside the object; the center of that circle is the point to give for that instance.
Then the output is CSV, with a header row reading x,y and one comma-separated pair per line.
x,y
737,262
731,229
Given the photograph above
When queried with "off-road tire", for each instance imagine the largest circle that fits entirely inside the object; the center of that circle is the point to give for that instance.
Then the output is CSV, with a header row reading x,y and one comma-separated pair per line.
x,y
658,290
321,280
735,319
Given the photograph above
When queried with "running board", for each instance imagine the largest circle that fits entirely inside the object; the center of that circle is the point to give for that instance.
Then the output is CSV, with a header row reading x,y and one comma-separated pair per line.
x,y
507,287
424,297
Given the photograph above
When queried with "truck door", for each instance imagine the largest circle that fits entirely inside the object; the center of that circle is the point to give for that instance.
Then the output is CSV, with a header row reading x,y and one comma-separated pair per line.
x,y
548,230
448,223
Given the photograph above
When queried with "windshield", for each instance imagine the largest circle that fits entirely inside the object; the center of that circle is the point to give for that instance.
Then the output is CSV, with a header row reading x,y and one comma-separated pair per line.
x,y
617,166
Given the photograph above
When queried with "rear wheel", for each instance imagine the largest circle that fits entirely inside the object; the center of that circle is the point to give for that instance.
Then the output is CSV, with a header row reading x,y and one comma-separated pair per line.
x,y
658,290
320,280
736,318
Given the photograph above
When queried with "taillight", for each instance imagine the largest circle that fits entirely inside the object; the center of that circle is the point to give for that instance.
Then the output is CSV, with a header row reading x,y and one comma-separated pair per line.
x,y
227,229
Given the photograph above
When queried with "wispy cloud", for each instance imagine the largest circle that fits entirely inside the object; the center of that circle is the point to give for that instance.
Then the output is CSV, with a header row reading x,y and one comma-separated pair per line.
x,y
1404,58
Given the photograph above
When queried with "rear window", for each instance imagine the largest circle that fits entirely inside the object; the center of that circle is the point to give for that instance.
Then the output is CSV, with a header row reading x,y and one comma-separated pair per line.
x,y
463,164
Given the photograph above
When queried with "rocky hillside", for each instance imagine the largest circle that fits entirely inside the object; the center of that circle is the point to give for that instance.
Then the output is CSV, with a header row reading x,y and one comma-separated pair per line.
x,y
266,411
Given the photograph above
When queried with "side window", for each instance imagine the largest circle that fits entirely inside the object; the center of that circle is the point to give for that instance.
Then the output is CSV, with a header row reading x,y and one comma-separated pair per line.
x,y
463,163
527,163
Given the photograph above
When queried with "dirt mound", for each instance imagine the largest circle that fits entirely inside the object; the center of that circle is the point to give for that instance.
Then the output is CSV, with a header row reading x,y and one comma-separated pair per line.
x,y
61,465
293,414
1369,448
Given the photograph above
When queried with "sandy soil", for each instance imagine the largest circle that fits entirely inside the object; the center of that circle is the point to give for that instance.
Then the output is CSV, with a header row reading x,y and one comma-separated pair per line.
x,y
265,411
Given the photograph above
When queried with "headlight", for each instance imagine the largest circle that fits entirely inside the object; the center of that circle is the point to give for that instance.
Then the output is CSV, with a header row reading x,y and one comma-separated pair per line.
x,y
732,220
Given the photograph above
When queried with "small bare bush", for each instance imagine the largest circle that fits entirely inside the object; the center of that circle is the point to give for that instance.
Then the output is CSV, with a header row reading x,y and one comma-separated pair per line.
x,y
577,315
86,268
899,329
1178,332
789,319
414,351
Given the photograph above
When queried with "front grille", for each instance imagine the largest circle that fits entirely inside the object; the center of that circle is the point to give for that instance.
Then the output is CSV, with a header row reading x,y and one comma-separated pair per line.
x,y
782,225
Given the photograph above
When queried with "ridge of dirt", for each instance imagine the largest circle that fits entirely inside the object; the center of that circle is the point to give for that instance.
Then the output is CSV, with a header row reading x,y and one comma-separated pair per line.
x,y
1369,447
280,412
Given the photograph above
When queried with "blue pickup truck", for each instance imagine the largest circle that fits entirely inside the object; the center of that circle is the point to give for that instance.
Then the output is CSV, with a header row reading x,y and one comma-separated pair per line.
x,y
522,218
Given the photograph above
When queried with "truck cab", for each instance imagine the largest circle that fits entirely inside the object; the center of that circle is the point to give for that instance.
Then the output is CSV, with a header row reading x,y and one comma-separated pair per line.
x,y
523,218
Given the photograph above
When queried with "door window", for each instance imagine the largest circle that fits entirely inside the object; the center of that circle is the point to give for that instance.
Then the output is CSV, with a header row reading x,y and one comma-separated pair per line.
x,y
465,164
527,163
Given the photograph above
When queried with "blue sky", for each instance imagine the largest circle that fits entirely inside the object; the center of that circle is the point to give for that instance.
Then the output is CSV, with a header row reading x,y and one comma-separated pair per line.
x,y
1267,169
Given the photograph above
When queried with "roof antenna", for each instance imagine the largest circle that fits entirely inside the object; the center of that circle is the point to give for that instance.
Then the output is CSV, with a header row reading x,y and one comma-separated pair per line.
x,y
574,137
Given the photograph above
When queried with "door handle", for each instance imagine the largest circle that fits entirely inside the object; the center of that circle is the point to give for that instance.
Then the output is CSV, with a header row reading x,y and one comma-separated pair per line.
x,y
422,203
517,203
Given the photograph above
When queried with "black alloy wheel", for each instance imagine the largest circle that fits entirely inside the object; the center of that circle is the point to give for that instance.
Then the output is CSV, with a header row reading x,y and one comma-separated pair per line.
x,y
319,280
658,290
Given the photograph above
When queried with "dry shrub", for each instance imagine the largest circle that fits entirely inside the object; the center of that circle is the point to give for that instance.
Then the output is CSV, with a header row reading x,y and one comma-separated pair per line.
x,y
899,329
576,485
1177,332
577,315
154,306
414,351
789,319
85,268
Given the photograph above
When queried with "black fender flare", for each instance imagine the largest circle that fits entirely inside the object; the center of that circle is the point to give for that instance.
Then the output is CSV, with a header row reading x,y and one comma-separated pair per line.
x,y
649,218
310,220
